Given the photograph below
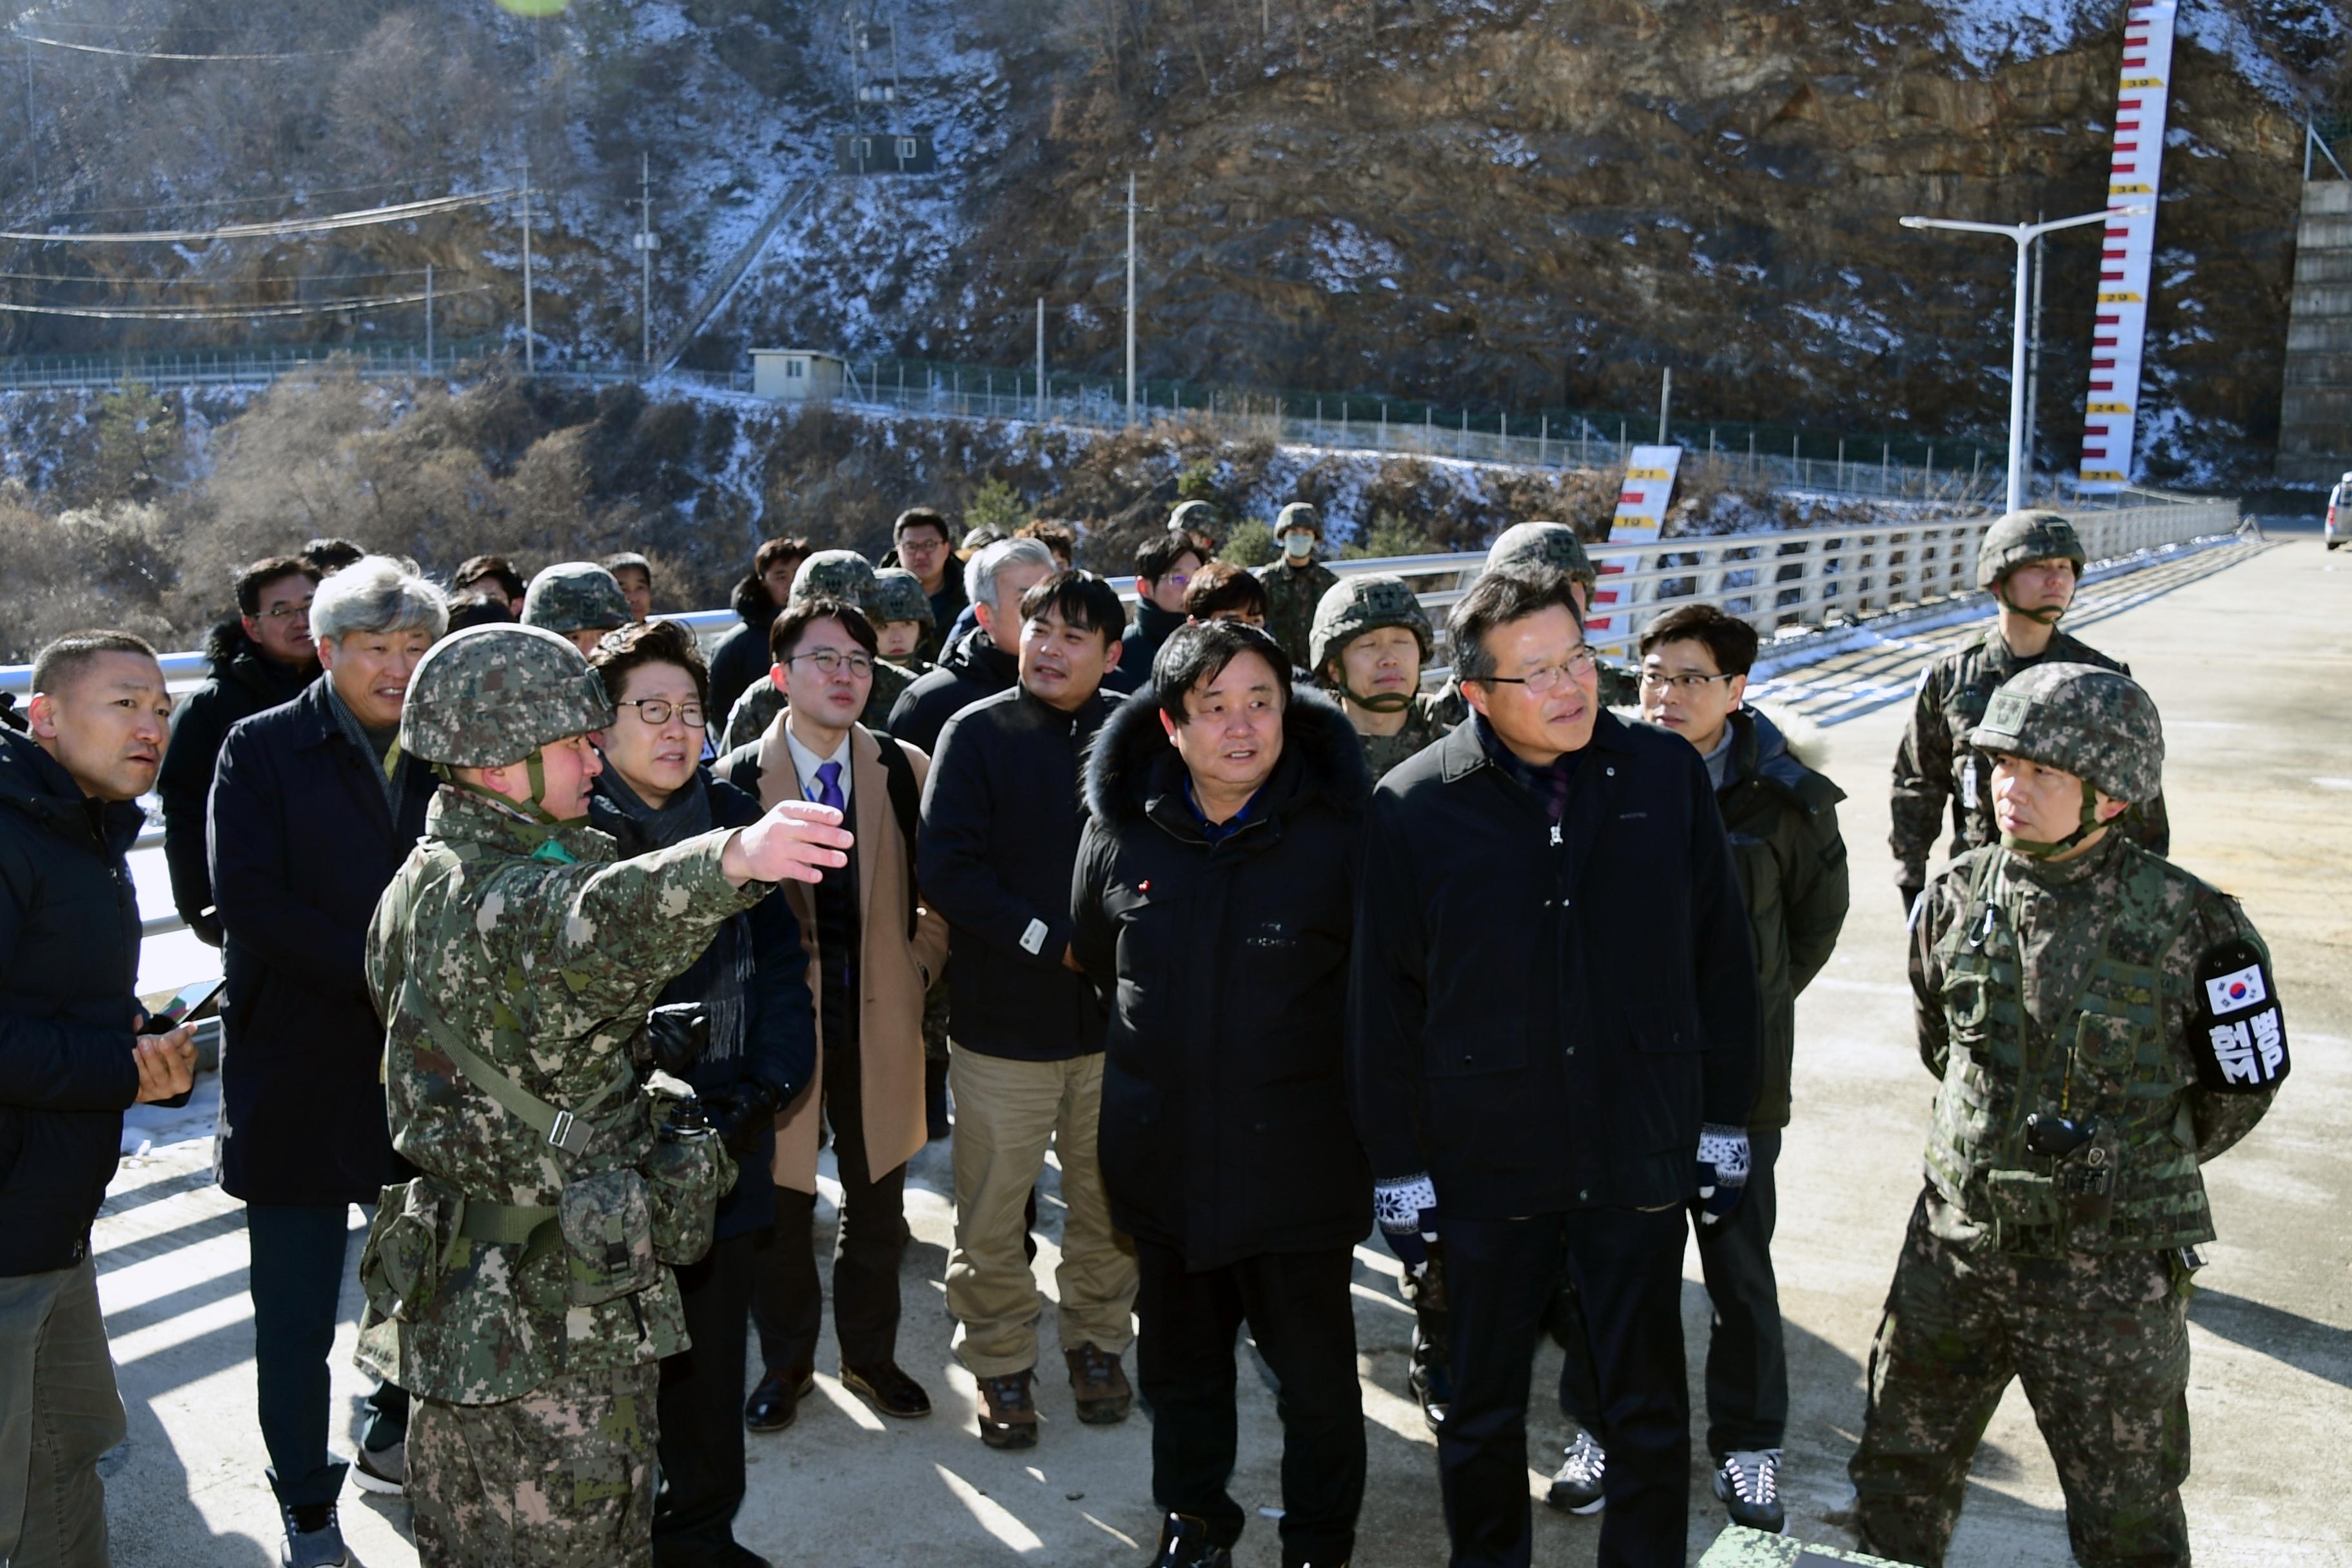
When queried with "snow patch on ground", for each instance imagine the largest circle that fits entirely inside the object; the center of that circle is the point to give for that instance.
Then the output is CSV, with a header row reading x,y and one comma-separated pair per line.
x,y
1988,32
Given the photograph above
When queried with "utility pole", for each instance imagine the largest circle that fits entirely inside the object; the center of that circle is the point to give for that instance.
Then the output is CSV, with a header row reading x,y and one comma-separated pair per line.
x,y
1041,359
428,317
1130,296
1665,402
647,245
2034,353
31,144
529,351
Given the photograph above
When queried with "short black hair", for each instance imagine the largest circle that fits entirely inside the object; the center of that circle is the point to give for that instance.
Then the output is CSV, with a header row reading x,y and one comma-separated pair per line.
x,y
1159,556
1223,585
921,517
1731,640
640,642
785,631
330,555
1200,650
61,663
1058,537
475,608
1496,599
791,548
1081,600
496,568
268,570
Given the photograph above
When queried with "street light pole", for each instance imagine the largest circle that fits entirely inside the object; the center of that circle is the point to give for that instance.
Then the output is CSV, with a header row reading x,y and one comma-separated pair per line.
x,y
2024,234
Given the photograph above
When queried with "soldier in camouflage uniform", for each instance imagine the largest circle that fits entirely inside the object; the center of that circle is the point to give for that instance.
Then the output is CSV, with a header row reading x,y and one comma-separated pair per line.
x,y
2101,1024
1556,545
1933,761
899,601
1391,717
519,1287
828,575
579,601
1294,585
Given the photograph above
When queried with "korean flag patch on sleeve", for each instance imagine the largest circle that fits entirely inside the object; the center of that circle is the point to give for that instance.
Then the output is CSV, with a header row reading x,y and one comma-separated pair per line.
x,y
2240,1035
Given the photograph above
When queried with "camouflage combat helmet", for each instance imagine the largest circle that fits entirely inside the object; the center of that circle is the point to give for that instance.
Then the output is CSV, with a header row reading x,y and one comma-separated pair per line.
x,y
1298,514
1354,605
835,575
619,559
898,596
1551,545
491,696
2025,536
1193,517
2100,726
575,597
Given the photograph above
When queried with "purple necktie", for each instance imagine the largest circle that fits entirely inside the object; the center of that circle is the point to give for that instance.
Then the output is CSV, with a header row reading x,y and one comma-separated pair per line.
x,y
828,786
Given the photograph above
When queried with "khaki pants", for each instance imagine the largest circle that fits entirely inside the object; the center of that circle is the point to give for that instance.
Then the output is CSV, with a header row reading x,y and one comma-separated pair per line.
x,y
1007,1113
58,1412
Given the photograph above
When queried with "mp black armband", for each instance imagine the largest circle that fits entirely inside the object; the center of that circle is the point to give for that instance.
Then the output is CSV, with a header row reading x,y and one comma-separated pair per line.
x,y
2241,1037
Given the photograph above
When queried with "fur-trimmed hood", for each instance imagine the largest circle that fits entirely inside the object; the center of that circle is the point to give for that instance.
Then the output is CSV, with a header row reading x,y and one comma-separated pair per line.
x,y
225,642
1132,764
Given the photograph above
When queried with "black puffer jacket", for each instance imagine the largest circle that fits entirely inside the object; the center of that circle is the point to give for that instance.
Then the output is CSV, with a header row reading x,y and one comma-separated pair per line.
x,y
1139,644
245,681
69,969
1225,1127
741,656
1782,818
973,667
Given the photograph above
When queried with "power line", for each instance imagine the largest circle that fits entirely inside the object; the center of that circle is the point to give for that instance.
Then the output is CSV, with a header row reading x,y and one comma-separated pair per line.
x,y
234,201
157,55
205,282
236,313
363,219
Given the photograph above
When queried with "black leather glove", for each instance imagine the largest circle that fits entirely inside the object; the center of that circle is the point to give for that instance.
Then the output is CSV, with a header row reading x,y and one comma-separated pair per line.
x,y
1911,891
741,1112
676,1036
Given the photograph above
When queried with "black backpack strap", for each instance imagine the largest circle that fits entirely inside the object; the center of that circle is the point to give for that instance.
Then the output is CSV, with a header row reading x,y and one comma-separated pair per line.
x,y
906,805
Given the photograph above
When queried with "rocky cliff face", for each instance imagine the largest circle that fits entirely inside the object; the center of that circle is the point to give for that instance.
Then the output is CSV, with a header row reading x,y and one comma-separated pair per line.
x,y
1510,205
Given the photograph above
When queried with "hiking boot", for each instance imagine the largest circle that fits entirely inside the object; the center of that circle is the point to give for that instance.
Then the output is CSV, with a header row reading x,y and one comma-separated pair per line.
x,y
1748,1482
1008,1411
313,1538
1100,1384
1184,1543
1576,1486
381,1470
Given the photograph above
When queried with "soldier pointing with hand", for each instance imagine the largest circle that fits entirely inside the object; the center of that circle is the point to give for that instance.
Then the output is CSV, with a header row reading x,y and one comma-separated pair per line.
x,y
2101,1024
521,1287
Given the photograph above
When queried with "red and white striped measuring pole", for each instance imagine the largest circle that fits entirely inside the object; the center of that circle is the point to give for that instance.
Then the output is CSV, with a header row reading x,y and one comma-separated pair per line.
x,y
1641,514
2127,254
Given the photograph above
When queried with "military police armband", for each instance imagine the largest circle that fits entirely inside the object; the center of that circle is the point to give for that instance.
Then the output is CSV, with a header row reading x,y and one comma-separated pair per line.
x,y
2241,1037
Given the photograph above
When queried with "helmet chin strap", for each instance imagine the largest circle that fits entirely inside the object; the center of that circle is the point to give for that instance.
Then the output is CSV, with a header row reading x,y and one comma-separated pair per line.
x,y
2042,849
534,810
1385,703
2047,614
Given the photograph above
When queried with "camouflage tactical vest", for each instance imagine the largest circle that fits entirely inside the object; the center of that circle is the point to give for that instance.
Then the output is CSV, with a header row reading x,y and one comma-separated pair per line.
x,y
2126,1070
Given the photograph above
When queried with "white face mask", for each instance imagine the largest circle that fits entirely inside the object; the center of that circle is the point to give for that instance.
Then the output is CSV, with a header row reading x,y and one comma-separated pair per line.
x,y
1298,542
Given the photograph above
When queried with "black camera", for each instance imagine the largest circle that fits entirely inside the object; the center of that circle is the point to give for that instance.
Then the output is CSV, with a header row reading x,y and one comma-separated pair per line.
x,y
2055,1137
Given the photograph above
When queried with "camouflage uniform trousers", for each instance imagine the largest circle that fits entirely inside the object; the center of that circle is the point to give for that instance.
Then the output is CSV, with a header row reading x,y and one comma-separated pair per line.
x,y
2101,1340
562,1478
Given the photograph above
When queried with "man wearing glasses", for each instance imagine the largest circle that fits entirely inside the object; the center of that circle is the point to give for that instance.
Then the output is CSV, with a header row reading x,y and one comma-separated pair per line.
x,y
263,658
1782,819
1164,570
1553,1023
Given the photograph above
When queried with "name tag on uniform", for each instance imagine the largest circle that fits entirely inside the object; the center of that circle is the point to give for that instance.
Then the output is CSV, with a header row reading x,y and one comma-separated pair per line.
x,y
2240,1036
1968,782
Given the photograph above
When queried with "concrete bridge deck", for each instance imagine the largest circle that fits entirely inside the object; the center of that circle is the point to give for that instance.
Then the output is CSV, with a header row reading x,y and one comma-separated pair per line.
x,y
2248,649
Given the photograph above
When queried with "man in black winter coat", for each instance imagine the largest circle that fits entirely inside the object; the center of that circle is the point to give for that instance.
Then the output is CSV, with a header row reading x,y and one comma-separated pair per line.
x,y
1553,1023
1164,570
71,1061
1215,900
999,835
313,809
984,661
264,657
740,656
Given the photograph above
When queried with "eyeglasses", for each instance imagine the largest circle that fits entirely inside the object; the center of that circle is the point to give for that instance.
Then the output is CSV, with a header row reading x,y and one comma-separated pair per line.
x,y
1576,667
921,546
831,661
282,612
654,710
1659,679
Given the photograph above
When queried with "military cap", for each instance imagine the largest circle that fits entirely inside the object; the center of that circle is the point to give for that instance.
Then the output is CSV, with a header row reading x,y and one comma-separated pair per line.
x,y
1551,545
1354,605
835,575
2021,537
492,695
2094,723
575,597
1298,514
898,596
1191,517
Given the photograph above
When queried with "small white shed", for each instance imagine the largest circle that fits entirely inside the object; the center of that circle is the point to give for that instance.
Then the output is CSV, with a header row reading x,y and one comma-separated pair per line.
x,y
797,375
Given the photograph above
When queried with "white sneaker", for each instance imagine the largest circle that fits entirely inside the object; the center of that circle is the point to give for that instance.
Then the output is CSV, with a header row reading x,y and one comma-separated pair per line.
x,y
1576,1488
1748,1482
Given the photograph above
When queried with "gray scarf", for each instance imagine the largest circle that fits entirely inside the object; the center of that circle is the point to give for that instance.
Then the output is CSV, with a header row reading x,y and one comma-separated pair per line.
x,y
720,979
371,747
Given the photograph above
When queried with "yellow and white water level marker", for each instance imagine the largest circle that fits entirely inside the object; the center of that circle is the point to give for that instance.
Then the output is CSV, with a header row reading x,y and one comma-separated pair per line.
x,y
1641,512
2127,251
